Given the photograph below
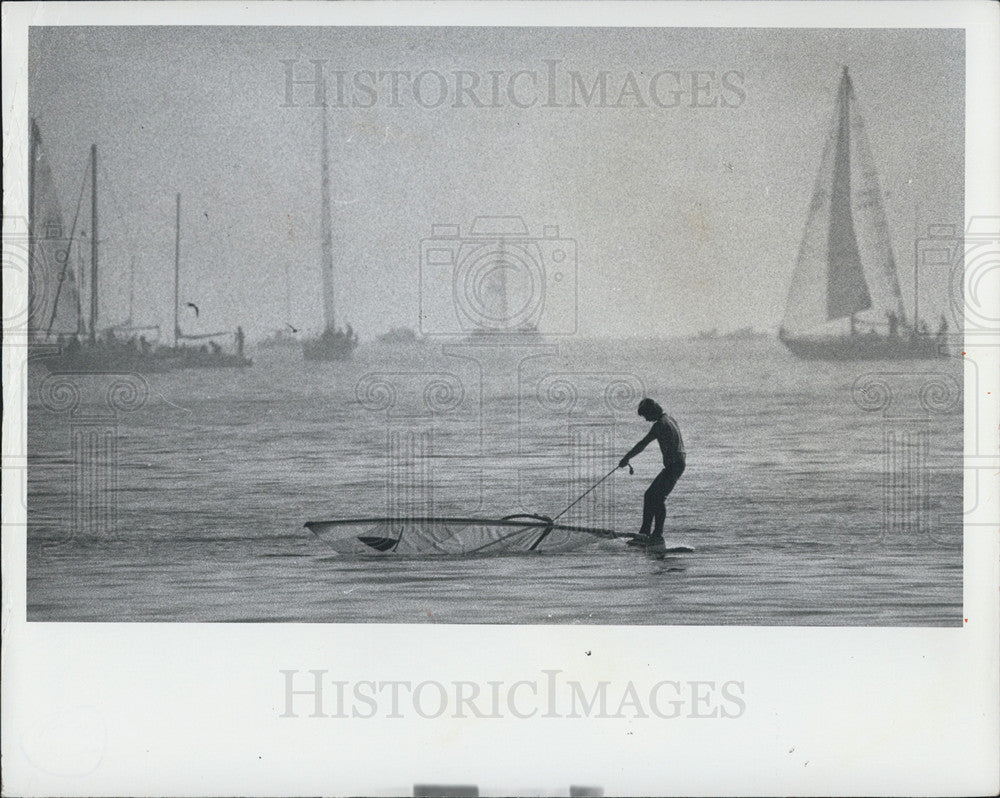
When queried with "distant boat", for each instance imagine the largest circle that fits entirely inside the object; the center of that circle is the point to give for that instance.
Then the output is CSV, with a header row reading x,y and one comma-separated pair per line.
x,y
739,334
280,339
400,335
56,316
844,302
744,334
333,343
205,355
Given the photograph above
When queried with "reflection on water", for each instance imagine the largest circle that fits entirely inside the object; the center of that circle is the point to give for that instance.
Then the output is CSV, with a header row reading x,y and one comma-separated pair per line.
x,y
783,496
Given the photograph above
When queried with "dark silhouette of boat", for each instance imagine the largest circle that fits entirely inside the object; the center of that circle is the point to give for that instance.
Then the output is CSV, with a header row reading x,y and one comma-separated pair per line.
x,y
332,344
185,354
864,346
400,335
64,339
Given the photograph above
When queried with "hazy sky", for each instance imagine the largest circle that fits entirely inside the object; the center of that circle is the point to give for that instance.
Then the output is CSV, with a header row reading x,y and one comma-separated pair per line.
x,y
684,217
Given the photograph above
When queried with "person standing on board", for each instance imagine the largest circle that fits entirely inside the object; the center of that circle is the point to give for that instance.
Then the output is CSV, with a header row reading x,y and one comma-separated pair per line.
x,y
665,432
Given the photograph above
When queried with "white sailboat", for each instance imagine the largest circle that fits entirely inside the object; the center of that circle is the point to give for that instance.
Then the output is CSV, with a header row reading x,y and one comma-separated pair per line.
x,y
844,302
55,291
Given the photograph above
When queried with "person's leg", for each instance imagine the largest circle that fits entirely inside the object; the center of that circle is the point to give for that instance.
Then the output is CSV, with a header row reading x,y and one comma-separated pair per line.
x,y
659,517
670,477
652,504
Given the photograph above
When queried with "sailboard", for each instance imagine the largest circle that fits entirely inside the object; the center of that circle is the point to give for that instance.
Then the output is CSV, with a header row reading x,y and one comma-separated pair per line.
x,y
421,536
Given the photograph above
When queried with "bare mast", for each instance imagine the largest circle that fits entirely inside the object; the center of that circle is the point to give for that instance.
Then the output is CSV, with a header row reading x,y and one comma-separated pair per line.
x,y
32,157
327,232
131,291
916,268
177,272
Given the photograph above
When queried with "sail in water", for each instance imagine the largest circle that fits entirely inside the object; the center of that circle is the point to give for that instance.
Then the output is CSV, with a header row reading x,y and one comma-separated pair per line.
x,y
845,275
454,536
53,292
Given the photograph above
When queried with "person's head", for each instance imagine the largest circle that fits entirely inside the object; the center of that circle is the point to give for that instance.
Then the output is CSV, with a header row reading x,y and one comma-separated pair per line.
x,y
650,410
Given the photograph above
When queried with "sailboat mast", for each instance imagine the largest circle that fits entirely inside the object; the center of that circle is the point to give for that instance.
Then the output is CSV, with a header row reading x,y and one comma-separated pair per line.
x,y
131,290
916,268
32,157
288,293
177,272
327,232
79,310
93,243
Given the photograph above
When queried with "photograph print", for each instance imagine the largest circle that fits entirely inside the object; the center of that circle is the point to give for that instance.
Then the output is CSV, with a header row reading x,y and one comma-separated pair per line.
x,y
615,326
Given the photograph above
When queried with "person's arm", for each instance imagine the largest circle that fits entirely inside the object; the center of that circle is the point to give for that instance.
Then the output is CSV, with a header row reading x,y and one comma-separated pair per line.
x,y
638,447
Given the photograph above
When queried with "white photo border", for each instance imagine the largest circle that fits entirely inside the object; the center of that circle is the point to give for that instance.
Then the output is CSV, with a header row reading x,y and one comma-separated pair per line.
x,y
196,709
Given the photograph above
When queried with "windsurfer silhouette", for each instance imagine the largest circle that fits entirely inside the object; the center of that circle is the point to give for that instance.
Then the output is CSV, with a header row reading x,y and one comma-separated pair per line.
x,y
665,432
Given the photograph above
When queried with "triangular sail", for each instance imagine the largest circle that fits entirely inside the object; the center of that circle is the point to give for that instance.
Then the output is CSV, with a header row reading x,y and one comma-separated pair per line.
x,y
845,264
872,230
846,291
53,291
807,304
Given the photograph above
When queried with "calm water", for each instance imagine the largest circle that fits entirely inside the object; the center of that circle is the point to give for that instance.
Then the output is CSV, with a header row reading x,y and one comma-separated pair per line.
x,y
784,497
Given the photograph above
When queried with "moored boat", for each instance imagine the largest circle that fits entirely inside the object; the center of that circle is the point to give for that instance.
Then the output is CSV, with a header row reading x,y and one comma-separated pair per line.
x,y
66,342
210,354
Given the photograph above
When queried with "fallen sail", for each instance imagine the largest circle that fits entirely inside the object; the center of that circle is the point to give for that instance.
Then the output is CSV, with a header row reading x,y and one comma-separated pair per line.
x,y
454,536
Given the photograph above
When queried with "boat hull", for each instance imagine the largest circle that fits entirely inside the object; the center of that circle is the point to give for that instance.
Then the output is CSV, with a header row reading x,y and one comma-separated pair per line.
x,y
323,349
864,347
102,362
